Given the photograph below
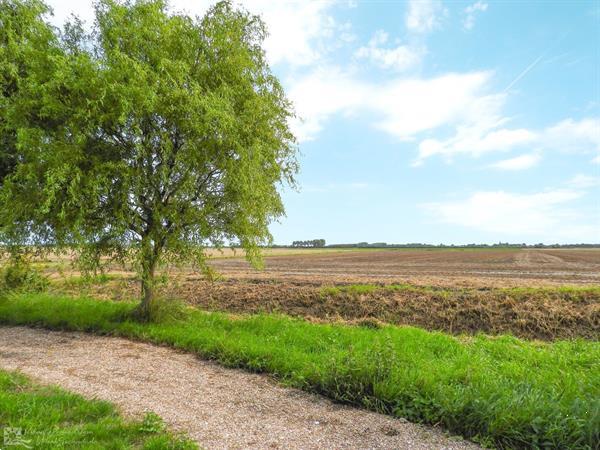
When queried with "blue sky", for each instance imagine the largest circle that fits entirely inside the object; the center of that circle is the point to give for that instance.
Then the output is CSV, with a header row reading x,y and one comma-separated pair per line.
x,y
431,121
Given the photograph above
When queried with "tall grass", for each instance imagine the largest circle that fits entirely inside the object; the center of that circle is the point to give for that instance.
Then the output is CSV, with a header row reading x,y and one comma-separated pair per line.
x,y
501,391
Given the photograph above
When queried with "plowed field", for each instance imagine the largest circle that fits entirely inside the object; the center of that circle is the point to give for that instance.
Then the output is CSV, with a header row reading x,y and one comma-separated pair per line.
x,y
482,268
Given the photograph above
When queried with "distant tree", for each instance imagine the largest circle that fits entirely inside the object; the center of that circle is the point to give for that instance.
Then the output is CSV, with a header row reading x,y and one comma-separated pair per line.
x,y
311,243
145,140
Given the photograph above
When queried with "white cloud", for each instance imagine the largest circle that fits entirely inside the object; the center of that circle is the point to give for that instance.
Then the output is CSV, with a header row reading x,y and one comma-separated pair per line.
x,y
470,13
485,136
521,162
544,215
399,58
300,32
583,181
596,160
321,94
574,136
63,9
297,30
402,107
411,106
424,15
475,141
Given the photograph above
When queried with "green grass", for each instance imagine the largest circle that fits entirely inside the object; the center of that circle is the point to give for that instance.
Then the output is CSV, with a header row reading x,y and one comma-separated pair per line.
x,y
84,281
502,392
573,293
51,418
365,289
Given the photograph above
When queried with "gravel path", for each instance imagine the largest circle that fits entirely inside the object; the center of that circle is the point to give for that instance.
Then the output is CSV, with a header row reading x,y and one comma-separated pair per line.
x,y
217,407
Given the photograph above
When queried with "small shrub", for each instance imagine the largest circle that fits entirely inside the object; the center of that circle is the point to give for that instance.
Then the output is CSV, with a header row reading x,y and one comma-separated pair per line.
x,y
161,311
19,275
152,424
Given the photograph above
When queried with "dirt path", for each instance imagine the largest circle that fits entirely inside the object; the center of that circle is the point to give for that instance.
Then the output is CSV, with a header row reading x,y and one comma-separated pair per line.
x,y
217,407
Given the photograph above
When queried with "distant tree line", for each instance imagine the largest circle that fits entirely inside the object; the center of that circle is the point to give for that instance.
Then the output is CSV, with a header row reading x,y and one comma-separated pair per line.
x,y
497,245
310,243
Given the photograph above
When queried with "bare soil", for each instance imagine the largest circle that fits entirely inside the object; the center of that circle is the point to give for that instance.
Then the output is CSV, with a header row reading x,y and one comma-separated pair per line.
x,y
438,267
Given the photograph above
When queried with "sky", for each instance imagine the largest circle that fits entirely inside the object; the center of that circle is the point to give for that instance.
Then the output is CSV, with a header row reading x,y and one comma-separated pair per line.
x,y
435,121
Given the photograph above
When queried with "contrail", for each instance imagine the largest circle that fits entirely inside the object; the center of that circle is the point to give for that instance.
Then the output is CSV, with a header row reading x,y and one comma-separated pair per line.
x,y
536,61
522,74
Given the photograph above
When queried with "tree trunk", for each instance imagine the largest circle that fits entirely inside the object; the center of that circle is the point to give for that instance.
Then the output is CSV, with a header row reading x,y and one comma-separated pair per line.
x,y
149,259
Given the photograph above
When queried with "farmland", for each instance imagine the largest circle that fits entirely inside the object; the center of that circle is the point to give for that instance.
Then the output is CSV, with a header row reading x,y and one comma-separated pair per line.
x,y
535,294
442,267
365,327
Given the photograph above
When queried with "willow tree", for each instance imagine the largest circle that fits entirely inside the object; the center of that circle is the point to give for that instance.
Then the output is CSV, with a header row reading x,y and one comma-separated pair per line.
x,y
149,138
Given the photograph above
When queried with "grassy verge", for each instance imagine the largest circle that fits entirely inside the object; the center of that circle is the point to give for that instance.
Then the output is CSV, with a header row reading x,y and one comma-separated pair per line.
x,y
499,391
570,293
33,416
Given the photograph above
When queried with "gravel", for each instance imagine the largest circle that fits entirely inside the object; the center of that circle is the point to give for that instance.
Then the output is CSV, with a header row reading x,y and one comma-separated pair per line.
x,y
219,408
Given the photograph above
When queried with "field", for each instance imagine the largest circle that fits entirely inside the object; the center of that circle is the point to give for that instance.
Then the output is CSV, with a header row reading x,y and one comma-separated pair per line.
x,y
497,345
536,294
439,267
426,267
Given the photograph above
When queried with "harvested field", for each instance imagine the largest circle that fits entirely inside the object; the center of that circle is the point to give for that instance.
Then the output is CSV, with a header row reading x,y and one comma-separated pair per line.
x,y
437,267
536,294
483,268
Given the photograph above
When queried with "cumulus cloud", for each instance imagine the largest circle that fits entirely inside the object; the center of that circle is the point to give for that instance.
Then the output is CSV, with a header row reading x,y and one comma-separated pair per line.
x,y
545,215
399,58
424,16
485,136
569,135
319,95
520,162
402,107
583,181
474,140
471,11
299,32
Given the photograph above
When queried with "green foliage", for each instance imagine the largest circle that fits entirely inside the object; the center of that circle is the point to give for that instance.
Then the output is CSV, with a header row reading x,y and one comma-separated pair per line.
x,y
353,289
90,279
152,423
501,391
146,139
20,275
21,34
53,418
